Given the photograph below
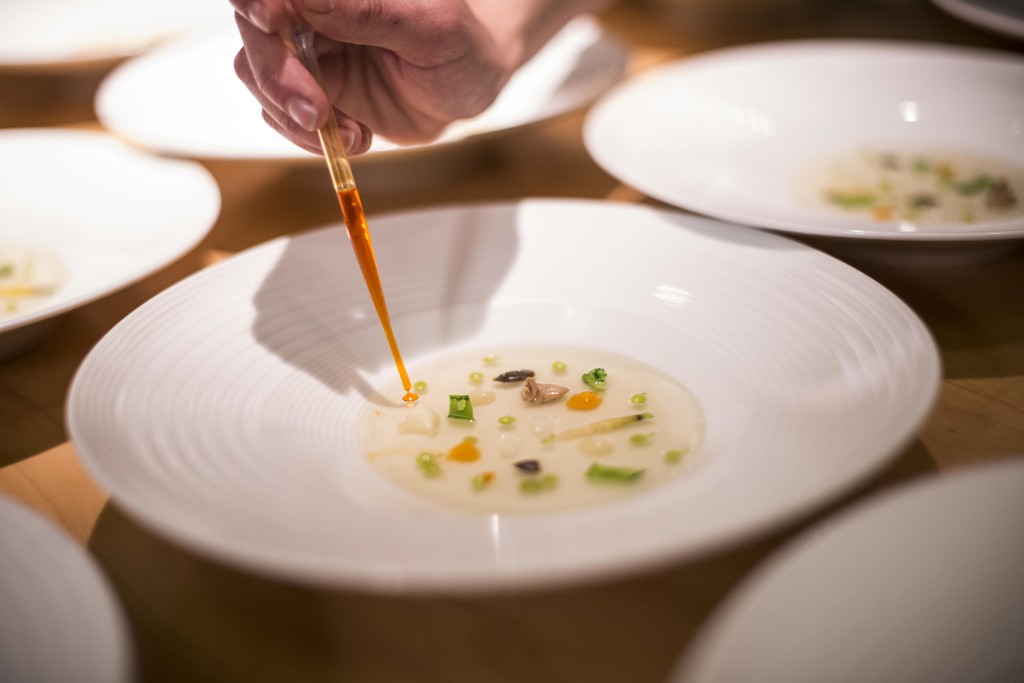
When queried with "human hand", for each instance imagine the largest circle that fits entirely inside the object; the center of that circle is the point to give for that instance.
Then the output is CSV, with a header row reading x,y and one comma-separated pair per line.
x,y
401,68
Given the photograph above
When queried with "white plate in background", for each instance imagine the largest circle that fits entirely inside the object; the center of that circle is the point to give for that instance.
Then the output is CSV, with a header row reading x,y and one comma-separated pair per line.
x,y
109,213
63,35
185,99
230,426
920,585
61,618
728,133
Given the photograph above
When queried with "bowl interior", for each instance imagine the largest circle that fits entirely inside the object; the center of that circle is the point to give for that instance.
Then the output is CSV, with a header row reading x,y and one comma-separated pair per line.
x,y
235,411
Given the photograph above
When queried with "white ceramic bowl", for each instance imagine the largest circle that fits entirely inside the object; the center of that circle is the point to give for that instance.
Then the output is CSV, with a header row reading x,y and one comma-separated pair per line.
x,y
66,35
920,585
222,413
61,618
728,133
109,213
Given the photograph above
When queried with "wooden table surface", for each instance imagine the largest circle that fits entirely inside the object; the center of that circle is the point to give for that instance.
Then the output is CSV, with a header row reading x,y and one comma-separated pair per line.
x,y
196,620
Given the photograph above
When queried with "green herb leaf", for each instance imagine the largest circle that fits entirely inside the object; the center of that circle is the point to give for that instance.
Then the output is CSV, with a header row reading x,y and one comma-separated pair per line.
x,y
596,379
975,185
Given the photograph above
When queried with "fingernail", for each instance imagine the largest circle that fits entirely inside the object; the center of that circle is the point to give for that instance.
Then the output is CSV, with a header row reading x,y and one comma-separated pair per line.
x,y
302,113
348,138
259,17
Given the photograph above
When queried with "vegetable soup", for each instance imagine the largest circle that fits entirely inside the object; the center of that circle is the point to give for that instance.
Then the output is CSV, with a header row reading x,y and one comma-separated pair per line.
x,y
915,187
534,429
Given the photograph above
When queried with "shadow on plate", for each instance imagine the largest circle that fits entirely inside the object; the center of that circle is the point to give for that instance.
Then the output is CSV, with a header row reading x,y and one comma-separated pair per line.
x,y
314,307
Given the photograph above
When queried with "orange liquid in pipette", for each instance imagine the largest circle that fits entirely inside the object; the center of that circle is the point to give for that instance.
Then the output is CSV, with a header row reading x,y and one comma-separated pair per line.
x,y
359,234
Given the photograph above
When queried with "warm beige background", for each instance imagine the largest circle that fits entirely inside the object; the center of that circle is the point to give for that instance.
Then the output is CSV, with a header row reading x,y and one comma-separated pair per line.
x,y
198,621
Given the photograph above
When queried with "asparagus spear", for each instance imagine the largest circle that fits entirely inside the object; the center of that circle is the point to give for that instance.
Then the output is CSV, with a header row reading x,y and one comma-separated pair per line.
x,y
605,425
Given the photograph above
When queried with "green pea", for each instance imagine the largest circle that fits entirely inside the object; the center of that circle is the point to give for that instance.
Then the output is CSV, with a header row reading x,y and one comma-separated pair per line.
x,y
428,464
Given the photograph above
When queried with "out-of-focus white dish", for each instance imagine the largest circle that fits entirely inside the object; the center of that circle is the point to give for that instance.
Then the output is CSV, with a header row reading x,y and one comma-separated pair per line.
x,y
919,585
185,99
1001,16
64,35
230,425
728,133
61,619
110,214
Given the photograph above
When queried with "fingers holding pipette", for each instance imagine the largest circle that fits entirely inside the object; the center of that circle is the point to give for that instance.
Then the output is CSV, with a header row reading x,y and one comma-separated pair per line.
x,y
405,68
293,103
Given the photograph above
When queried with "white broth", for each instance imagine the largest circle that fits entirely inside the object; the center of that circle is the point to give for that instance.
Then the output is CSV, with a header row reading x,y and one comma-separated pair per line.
x,y
646,431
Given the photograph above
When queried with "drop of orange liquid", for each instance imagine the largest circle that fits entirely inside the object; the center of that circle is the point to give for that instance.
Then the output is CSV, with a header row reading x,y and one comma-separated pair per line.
x,y
410,397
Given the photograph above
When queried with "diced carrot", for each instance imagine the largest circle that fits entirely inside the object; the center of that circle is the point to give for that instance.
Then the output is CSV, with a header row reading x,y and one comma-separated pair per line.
x,y
464,451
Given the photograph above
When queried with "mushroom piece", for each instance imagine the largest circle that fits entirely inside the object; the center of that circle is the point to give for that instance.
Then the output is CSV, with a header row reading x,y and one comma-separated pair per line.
x,y
536,392
514,376
1000,195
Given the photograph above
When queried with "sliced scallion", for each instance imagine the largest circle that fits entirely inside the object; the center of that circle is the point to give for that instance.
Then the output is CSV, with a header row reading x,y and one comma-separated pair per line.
x,y
617,475
460,407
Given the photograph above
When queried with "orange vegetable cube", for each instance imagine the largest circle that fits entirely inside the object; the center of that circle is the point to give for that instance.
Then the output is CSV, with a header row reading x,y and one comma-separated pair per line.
x,y
464,451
